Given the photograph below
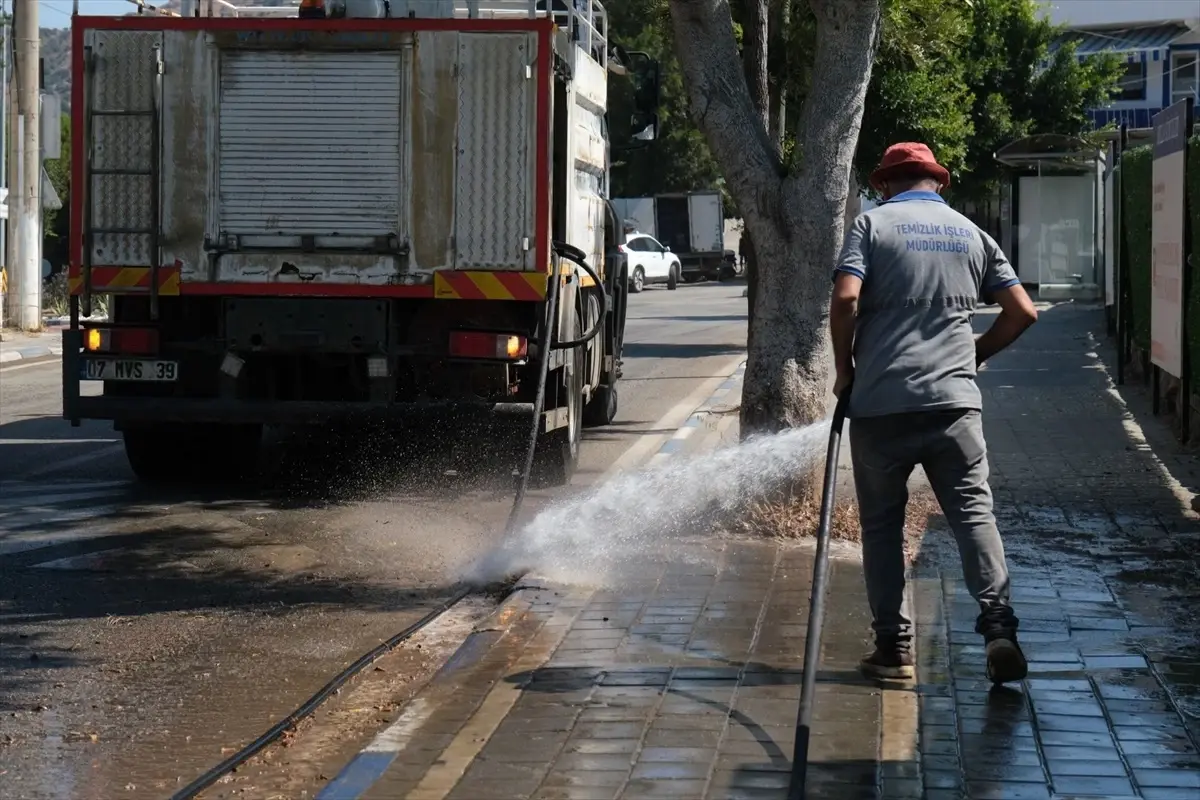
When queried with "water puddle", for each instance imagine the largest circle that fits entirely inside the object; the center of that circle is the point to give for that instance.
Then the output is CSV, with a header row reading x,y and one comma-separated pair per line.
x,y
588,537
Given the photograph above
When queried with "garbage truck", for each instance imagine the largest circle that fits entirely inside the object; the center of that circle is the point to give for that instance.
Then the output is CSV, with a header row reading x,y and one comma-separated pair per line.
x,y
345,210
690,224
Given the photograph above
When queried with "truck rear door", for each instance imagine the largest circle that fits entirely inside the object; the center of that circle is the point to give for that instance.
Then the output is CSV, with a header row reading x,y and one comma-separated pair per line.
x,y
707,222
310,146
641,211
242,153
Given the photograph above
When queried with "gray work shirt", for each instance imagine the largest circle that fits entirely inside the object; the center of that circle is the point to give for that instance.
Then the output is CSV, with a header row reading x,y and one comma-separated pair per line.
x,y
922,265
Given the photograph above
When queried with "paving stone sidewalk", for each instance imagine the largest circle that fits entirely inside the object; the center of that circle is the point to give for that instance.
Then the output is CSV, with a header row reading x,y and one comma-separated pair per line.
x,y
682,680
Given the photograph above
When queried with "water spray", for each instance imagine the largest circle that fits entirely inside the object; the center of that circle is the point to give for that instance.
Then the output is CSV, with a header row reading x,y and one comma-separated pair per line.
x,y
816,605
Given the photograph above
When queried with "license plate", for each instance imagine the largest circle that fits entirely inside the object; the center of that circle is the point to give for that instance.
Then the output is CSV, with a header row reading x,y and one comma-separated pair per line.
x,y
130,369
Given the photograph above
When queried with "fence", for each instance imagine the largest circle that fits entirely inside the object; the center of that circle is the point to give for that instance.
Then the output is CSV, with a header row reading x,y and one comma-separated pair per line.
x,y
1134,173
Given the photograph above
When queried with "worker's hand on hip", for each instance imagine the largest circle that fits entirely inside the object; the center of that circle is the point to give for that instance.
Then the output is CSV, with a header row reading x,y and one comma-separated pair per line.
x,y
842,382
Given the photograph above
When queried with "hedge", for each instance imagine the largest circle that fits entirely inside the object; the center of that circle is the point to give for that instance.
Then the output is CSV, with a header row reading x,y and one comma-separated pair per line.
x,y
1137,167
1193,300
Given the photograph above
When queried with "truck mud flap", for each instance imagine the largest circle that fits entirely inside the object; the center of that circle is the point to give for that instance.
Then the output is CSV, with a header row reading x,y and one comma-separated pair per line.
x,y
72,344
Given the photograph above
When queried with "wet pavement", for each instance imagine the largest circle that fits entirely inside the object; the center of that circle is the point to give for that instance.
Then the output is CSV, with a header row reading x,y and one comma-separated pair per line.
x,y
145,634
680,676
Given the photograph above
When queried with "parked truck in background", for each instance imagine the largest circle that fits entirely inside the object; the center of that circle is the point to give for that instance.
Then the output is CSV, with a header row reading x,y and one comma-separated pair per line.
x,y
690,224
343,210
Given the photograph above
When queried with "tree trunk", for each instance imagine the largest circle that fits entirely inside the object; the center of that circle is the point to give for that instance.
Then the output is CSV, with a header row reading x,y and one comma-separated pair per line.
x,y
751,273
755,33
780,20
795,221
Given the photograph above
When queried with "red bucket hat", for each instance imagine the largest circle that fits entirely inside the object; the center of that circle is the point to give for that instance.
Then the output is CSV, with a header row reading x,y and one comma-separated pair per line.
x,y
906,156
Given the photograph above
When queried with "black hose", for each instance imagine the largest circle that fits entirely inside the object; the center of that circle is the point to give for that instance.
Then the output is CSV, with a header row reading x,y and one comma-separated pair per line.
x,y
577,258
816,606
311,704
539,398
545,345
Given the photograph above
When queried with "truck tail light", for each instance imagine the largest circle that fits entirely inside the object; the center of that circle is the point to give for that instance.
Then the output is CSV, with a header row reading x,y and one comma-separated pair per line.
x,y
134,341
312,9
502,346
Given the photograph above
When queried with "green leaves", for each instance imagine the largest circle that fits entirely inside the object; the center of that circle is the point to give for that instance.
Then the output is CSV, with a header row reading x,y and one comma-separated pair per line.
x,y
966,77
679,160
1013,96
918,88
57,223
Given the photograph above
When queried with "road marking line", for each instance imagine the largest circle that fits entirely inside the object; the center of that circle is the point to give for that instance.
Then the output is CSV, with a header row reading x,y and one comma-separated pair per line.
x,y
50,362
16,487
58,466
648,444
12,544
39,442
56,496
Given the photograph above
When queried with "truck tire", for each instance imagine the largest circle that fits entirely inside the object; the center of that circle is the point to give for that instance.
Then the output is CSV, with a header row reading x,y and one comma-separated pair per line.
x,y
556,455
601,410
169,454
637,281
673,277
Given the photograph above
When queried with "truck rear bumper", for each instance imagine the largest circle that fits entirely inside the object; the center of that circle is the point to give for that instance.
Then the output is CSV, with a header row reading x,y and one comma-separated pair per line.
x,y
701,262
137,410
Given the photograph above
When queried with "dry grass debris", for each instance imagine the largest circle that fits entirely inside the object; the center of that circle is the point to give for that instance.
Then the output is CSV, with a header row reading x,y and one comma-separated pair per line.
x,y
795,513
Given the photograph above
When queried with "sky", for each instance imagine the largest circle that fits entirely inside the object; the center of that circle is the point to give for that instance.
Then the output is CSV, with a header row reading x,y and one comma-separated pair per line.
x,y
57,13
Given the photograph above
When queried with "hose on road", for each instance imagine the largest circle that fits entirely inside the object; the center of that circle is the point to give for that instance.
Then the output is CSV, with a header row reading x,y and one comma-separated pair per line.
x,y
306,709
816,607
311,704
562,250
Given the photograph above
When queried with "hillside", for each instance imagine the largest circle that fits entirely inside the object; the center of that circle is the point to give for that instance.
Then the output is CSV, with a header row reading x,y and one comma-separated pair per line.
x,y
56,56
56,50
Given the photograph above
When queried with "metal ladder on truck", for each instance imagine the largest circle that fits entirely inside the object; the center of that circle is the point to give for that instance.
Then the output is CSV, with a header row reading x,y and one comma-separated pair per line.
x,y
150,171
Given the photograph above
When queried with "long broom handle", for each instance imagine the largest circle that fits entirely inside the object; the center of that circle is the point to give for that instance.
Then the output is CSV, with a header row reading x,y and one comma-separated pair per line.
x,y
816,605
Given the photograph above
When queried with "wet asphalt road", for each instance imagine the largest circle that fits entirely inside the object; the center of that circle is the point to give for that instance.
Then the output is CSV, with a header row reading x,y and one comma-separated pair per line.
x,y
144,635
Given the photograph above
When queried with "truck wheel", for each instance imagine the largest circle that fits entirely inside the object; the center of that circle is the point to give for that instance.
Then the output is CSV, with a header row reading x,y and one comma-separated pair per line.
x,y
169,454
602,408
673,277
638,281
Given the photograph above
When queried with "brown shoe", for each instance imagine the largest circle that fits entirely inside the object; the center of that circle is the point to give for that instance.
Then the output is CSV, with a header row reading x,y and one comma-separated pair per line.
x,y
1005,661
889,664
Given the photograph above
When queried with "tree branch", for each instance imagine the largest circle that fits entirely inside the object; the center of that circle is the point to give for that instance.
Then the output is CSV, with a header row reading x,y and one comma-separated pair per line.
x,y
754,57
827,131
721,102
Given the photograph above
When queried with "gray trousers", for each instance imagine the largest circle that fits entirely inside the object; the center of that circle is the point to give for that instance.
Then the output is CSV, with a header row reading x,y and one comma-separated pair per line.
x,y
950,447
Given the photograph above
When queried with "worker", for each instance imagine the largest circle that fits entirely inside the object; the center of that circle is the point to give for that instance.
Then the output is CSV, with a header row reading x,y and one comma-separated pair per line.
x,y
905,290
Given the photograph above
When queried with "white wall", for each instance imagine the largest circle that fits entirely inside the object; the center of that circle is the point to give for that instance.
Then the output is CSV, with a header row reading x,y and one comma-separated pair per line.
x,y
1115,12
1055,237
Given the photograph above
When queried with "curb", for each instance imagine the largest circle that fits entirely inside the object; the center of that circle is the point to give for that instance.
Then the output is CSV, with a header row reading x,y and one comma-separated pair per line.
x,y
675,443
21,353
370,763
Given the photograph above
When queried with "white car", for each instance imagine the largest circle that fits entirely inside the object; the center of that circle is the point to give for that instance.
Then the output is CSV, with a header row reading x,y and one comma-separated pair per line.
x,y
649,262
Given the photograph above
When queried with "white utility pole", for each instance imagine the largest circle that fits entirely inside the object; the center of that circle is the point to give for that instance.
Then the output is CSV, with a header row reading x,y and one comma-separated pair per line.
x,y
27,203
